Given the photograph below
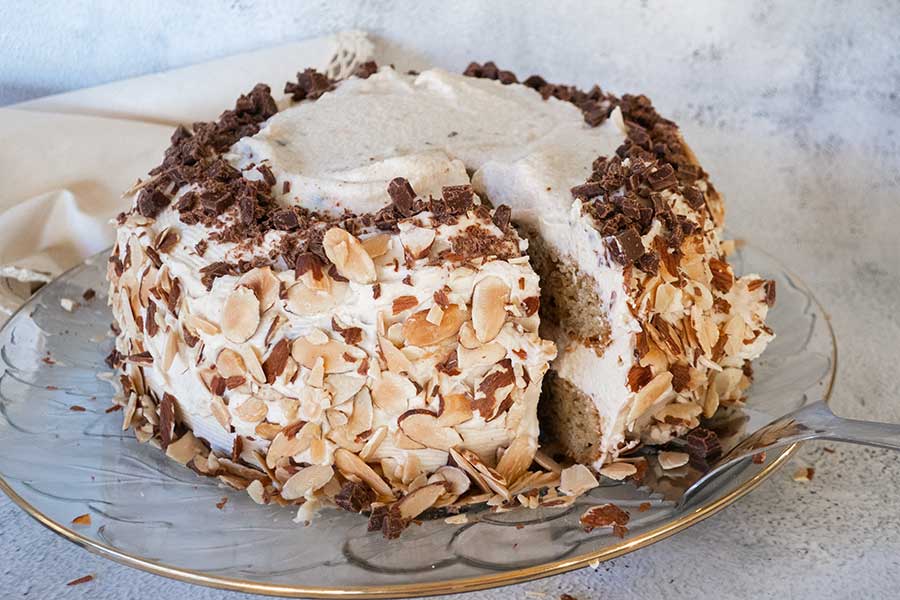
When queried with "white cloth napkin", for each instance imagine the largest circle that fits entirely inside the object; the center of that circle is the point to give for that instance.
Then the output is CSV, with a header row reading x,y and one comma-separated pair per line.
x,y
66,159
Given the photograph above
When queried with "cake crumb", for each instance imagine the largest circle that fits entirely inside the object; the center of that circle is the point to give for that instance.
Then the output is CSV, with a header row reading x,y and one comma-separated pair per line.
x,y
459,519
221,503
84,519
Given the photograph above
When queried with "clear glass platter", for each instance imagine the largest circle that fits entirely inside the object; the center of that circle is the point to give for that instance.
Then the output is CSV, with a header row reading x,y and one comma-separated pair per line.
x,y
148,512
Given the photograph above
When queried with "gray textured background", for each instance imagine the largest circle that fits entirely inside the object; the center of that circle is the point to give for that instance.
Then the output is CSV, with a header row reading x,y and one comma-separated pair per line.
x,y
792,106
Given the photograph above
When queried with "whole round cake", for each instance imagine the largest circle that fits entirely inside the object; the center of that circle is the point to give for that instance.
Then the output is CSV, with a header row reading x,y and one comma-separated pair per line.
x,y
389,293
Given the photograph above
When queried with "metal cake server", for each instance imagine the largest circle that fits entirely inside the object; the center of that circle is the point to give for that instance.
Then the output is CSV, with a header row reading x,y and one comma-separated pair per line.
x,y
812,422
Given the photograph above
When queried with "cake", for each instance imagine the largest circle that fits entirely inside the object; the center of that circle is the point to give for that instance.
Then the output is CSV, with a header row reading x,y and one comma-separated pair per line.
x,y
367,292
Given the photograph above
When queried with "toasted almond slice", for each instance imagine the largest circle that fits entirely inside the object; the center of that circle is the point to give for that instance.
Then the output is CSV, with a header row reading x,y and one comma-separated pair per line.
x,y
252,410
343,386
395,359
659,386
416,241
391,392
230,364
486,354
435,315
618,470
305,481
414,504
495,481
264,285
184,449
546,462
240,315
254,367
517,458
351,465
220,412
317,337
317,451
576,480
284,446
305,301
672,460
685,413
467,336
489,307
257,492
362,415
198,323
349,256
463,463
170,351
372,444
333,353
419,331
423,426
457,479
455,409
267,431
377,245
317,374
404,442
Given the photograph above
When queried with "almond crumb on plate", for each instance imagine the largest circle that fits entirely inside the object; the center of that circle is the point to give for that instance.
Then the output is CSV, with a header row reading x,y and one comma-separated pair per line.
x,y
804,474
81,580
84,519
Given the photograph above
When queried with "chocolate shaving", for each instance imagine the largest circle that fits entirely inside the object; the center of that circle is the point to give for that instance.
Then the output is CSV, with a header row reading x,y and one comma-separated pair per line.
x,y
501,216
366,69
310,85
703,444
355,497
402,195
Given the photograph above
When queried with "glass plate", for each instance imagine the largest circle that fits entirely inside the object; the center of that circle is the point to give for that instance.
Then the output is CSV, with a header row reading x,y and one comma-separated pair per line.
x,y
151,513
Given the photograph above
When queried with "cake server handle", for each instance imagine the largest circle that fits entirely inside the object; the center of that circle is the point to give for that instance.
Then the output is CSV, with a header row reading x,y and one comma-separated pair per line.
x,y
812,422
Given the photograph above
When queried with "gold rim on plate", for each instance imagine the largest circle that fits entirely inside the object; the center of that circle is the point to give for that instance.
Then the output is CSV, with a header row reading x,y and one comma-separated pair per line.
x,y
468,584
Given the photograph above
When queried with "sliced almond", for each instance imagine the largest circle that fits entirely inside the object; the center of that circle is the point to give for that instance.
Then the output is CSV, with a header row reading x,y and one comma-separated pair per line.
x,y
517,458
419,331
618,470
658,387
486,354
373,442
455,409
316,377
267,431
333,353
220,412
351,465
423,426
230,364
395,359
349,256
254,367
457,479
467,337
343,387
305,301
284,446
489,307
240,315
576,480
305,481
264,285
391,392
673,460
414,504
198,323
252,410
361,417
377,245
170,351
184,449
416,241
435,315
257,492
